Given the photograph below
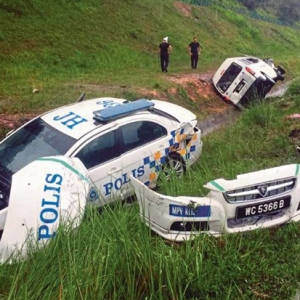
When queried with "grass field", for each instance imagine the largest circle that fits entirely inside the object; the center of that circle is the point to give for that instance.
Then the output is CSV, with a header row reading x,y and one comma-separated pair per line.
x,y
62,47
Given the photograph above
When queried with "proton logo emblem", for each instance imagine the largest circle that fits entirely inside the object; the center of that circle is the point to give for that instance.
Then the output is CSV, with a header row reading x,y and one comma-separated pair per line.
x,y
263,190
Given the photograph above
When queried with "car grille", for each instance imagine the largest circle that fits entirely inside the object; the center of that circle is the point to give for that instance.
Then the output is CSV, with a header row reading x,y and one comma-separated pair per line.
x,y
190,226
259,191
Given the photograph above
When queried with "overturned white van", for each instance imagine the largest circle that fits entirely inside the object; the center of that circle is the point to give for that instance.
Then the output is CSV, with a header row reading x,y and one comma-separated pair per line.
x,y
242,79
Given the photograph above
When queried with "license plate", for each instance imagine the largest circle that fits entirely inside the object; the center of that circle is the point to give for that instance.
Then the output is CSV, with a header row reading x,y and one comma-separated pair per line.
x,y
239,86
184,211
262,207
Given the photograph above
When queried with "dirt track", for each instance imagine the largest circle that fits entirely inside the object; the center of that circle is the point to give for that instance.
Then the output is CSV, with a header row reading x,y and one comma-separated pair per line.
x,y
198,88
214,112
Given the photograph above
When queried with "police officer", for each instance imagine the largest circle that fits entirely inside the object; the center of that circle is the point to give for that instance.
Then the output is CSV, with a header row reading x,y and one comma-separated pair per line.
x,y
164,49
194,50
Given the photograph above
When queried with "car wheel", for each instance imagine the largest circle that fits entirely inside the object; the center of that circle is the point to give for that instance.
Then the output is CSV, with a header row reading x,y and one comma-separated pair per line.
x,y
174,166
279,77
280,74
267,85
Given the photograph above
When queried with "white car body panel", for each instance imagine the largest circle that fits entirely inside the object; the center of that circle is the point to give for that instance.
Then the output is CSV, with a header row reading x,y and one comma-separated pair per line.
x,y
254,200
110,172
44,194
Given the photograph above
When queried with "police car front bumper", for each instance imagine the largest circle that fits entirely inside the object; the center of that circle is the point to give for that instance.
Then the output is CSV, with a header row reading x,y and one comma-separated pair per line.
x,y
255,200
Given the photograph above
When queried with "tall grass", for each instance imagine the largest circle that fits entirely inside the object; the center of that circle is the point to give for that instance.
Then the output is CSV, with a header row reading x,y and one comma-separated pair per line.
x,y
293,92
115,256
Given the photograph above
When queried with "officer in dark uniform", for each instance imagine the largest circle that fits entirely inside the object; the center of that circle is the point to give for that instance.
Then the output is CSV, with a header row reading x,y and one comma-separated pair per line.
x,y
194,51
164,49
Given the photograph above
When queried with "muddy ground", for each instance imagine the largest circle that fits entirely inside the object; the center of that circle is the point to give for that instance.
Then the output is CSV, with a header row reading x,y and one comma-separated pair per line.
x,y
195,90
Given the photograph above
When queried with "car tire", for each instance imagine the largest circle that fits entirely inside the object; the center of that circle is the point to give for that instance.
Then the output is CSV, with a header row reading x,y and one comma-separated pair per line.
x,y
280,73
267,85
279,77
174,165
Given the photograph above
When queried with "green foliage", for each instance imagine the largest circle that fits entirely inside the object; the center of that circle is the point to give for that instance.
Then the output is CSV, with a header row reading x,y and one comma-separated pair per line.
x,y
286,10
293,92
246,28
261,114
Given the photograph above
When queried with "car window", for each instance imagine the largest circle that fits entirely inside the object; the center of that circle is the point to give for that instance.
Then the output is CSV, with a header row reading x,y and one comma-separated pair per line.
x,y
34,140
99,150
229,76
140,133
253,60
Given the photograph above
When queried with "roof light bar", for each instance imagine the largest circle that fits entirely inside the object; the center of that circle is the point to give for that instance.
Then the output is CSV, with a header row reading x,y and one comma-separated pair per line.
x,y
115,112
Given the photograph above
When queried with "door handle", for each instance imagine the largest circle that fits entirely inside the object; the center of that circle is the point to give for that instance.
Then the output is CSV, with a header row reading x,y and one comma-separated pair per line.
x,y
114,170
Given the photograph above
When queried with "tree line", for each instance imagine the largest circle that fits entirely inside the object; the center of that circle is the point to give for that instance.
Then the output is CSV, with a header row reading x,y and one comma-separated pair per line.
x,y
284,10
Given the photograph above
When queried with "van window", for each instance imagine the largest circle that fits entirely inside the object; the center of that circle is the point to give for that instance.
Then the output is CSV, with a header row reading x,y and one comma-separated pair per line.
x,y
229,76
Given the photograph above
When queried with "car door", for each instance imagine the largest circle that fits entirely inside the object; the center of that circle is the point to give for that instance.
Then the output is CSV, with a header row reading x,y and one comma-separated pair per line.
x,y
145,147
101,156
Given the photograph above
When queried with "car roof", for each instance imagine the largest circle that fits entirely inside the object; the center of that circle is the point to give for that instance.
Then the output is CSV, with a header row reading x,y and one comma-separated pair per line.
x,y
79,118
255,62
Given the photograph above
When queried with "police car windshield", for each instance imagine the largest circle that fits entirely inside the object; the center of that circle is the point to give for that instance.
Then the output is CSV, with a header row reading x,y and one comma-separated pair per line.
x,y
35,140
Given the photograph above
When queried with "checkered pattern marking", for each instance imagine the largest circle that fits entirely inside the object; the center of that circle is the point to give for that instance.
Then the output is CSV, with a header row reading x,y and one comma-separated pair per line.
x,y
152,164
191,146
178,138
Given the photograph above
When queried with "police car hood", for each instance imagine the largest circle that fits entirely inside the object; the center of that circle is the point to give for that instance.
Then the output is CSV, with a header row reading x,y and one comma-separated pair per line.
x,y
181,114
44,194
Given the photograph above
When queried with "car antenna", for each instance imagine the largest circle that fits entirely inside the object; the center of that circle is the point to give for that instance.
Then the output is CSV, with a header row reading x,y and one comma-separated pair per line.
x,y
81,97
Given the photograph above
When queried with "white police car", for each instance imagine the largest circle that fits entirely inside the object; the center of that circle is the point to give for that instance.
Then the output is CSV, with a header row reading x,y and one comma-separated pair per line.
x,y
254,200
241,79
103,141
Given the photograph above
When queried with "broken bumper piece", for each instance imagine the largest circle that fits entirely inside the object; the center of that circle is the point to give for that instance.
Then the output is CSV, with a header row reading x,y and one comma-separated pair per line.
x,y
46,193
260,199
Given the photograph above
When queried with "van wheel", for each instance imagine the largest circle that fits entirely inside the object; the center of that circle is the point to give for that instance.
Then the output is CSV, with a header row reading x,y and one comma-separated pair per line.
x,y
267,85
280,74
279,77
281,70
174,166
